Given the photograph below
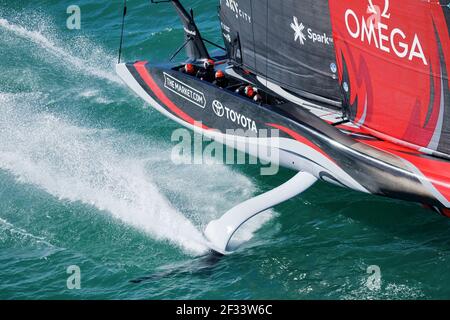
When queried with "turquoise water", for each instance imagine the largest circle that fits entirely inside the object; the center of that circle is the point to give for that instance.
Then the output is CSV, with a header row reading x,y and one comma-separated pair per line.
x,y
86,180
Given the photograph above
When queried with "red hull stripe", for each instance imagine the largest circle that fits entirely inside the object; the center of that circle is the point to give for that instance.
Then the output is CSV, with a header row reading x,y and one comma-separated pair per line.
x,y
300,138
145,75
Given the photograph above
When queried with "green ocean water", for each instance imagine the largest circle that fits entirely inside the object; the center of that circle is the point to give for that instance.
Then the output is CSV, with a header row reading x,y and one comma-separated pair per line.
x,y
86,179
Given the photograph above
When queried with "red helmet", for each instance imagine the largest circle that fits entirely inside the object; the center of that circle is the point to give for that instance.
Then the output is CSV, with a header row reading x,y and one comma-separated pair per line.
x,y
208,63
189,68
249,91
220,74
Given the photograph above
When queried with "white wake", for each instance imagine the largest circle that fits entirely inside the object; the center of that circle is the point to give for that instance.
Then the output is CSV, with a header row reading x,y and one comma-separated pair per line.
x,y
78,164
95,63
102,167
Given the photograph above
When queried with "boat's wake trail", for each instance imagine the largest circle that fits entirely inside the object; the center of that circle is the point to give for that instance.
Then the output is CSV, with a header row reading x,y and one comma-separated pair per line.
x,y
96,62
115,172
78,164
91,166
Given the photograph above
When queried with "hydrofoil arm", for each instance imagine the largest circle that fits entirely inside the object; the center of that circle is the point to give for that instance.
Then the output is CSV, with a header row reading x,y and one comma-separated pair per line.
x,y
219,232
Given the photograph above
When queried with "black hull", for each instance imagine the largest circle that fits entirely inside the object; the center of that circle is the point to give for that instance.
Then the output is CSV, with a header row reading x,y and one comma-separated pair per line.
x,y
307,143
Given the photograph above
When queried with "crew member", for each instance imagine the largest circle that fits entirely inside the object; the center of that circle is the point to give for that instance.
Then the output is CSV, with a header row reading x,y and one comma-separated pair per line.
x,y
220,80
246,91
249,92
207,72
189,68
257,97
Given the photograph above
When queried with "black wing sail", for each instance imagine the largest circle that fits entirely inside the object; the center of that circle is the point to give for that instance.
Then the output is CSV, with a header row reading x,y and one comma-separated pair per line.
x,y
287,41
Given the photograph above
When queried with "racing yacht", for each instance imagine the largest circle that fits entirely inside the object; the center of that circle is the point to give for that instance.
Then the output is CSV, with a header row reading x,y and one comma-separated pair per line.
x,y
357,90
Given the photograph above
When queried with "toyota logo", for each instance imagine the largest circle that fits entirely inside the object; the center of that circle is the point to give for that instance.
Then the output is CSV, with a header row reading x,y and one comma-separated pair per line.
x,y
218,108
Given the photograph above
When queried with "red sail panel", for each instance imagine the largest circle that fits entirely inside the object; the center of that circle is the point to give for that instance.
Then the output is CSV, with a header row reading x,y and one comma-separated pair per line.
x,y
394,60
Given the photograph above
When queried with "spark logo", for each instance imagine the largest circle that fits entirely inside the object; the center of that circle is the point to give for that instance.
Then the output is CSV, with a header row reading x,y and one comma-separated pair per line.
x,y
302,34
298,29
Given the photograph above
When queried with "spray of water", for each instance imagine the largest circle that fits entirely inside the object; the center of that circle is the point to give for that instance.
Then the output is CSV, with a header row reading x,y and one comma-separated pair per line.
x,y
90,165
96,62
79,164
